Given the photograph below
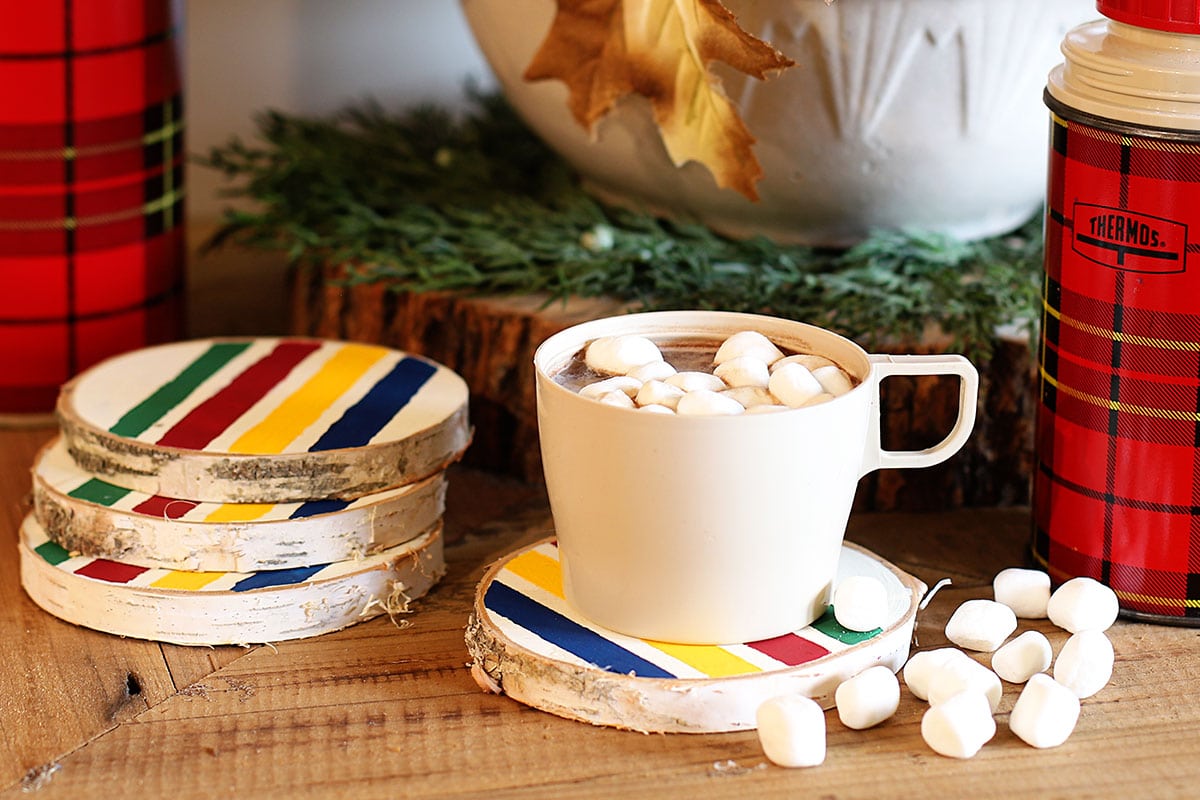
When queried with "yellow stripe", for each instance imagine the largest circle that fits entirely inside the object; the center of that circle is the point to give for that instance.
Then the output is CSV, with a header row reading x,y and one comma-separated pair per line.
x,y
1174,602
544,572
310,401
238,512
1117,405
1119,336
188,581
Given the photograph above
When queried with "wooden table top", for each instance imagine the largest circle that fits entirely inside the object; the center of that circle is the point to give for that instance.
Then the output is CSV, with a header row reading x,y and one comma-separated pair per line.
x,y
384,711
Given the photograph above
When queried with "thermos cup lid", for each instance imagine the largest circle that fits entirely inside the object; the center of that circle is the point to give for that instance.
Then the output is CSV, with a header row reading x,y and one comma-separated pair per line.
x,y
1175,16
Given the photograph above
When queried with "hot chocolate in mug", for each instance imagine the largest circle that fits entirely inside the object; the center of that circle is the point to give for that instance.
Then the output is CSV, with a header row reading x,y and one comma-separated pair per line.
x,y
716,529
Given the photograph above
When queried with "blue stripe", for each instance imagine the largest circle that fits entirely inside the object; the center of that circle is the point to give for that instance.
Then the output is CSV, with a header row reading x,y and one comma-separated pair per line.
x,y
314,507
570,636
367,417
276,577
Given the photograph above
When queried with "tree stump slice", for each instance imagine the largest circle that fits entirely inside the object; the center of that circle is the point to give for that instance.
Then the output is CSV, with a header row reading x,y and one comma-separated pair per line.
x,y
490,341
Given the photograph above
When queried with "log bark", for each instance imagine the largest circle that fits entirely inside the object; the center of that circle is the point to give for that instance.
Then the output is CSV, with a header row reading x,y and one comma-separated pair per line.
x,y
490,341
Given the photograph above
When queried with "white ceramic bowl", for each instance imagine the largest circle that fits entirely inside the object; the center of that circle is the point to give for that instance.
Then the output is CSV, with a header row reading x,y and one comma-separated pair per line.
x,y
899,113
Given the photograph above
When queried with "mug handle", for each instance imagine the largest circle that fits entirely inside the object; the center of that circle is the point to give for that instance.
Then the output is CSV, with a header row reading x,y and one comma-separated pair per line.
x,y
875,457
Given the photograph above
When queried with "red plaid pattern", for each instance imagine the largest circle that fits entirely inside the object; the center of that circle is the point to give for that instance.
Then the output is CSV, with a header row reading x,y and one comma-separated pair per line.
x,y
91,189
1117,490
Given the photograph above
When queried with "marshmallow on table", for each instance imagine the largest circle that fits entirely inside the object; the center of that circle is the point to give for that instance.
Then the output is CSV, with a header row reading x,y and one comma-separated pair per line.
x,y
959,725
693,381
743,371
618,383
654,371
1025,591
860,603
659,393
920,669
1025,656
964,674
791,729
617,355
1045,713
1083,604
981,625
705,403
868,698
747,343
1085,663
794,385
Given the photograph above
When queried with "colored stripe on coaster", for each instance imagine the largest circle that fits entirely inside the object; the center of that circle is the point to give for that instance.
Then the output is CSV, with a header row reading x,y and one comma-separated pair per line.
x,y
570,636
369,415
546,573
304,406
53,552
186,581
790,649
315,507
209,419
111,571
99,492
239,512
172,393
829,626
276,577
165,507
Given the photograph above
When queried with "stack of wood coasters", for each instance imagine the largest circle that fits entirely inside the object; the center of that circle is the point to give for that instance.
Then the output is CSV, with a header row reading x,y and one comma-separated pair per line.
x,y
240,491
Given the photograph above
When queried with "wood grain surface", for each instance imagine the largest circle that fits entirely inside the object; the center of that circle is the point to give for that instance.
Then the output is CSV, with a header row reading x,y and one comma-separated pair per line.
x,y
387,711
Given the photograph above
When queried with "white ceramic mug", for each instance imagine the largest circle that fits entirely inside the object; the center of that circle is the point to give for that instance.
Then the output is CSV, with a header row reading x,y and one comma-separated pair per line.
x,y
722,529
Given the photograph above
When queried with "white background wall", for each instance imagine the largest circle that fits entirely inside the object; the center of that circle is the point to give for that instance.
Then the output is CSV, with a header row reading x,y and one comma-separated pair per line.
x,y
241,57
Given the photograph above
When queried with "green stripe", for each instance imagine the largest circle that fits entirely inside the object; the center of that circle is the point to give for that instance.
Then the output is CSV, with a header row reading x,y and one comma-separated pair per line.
x,y
172,393
97,491
829,626
53,552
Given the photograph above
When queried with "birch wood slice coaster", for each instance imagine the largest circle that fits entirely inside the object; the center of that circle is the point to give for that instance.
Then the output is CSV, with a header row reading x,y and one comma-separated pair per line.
x,y
265,420
88,515
211,608
528,643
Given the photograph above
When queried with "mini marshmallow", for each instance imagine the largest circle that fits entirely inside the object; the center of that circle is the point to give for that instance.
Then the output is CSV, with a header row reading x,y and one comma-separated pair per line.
x,y
1045,713
833,379
747,343
654,371
1025,591
743,371
654,408
1023,657
921,668
794,385
617,355
959,725
810,360
619,383
868,698
965,674
659,393
765,408
791,730
1085,663
751,396
860,603
693,381
981,625
1083,604
704,403
618,399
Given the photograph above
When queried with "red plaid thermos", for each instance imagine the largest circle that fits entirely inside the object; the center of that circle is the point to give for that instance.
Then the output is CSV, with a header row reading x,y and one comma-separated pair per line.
x,y
1117,483
91,189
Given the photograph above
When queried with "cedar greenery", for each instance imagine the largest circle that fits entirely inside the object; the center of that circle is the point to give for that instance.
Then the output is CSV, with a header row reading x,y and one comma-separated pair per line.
x,y
426,200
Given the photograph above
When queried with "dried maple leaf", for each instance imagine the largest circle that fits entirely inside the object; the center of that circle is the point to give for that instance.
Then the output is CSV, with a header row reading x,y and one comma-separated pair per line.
x,y
661,49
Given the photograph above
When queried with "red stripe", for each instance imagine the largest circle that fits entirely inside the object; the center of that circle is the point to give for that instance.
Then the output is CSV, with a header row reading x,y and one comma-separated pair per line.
x,y
165,507
209,420
112,571
790,649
